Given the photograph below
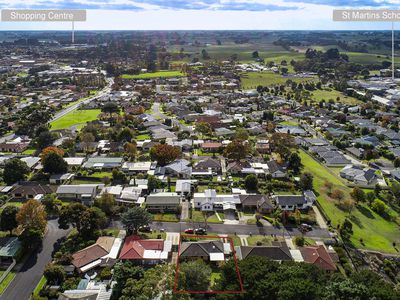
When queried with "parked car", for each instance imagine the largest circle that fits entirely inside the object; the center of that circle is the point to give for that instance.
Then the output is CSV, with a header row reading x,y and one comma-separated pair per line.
x,y
200,231
305,227
145,228
189,231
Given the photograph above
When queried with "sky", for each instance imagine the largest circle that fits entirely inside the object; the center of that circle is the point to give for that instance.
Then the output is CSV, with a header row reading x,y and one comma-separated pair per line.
x,y
202,14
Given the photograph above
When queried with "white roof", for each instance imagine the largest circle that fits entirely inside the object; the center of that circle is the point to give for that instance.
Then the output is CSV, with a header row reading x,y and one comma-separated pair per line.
x,y
114,249
217,257
91,265
296,254
74,161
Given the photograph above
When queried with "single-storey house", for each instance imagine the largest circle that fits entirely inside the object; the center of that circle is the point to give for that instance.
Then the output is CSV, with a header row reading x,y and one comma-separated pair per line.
x,y
163,202
86,193
278,251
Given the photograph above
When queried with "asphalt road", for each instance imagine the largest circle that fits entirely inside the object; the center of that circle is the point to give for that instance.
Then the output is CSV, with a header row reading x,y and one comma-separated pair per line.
x,y
157,113
29,275
237,229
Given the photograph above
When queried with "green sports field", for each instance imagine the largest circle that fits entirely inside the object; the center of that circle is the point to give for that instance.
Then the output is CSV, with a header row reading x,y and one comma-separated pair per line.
x,y
76,117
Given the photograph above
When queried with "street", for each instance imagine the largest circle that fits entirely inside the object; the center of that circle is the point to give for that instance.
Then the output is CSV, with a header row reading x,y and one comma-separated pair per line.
x,y
235,229
30,273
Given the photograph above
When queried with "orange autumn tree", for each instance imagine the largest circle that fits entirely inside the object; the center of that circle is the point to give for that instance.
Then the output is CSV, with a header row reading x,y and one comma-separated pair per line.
x,y
32,216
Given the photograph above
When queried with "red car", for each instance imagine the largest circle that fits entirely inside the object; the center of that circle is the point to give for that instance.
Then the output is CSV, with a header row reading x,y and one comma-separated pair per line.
x,y
189,231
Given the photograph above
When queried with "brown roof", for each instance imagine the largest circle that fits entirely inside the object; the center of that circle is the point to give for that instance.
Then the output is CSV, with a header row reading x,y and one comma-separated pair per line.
x,y
319,256
33,188
94,252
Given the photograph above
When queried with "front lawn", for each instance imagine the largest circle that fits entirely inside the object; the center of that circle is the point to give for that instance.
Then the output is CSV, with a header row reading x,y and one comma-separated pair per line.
x,y
197,216
75,117
40,286
6,281
254,240
371,231
166,218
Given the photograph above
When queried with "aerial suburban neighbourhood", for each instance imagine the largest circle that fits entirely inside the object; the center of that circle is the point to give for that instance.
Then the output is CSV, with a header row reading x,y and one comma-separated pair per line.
x,y
199,164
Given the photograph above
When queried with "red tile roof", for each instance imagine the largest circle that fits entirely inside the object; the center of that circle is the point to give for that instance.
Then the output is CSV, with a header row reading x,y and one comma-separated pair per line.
x,y
134,247
319,256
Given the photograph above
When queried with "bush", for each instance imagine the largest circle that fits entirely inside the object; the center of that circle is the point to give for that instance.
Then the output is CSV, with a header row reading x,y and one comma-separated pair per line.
x,y
106,273
299,241
379,206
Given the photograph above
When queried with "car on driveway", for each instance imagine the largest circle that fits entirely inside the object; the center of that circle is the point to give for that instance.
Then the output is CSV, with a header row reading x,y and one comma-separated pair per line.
x,y
305,227
189,231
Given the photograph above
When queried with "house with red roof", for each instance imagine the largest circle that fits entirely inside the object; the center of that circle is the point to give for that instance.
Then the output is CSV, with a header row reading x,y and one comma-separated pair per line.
x,y
318,256
145,251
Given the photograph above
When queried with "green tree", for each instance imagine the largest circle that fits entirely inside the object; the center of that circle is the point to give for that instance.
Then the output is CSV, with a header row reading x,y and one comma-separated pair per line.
x,y
242,134
379,206
32,215
194,275
124,271
134,218
53,163
54,274
164,153
153,183
346,229
8,219
106,203
306,181
357,194
203,128
396,162
236,150
31,238
251,182
85,220
15,170
294,162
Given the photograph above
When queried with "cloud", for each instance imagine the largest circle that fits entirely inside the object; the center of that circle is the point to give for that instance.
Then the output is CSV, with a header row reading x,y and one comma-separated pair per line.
x,y
352,3
213,5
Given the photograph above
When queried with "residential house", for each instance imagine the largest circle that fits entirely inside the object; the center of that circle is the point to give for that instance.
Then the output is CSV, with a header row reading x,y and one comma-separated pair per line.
x,y
103,163
236,167
61,178
208,164
211,147
293,202
180,168
103,252
210,201
183,187
278,251
88,290
263,146
10,247
254,202
164,201
132,168
276,170
359,175
85,193
213,251
145,251
74,161
31,190
318,256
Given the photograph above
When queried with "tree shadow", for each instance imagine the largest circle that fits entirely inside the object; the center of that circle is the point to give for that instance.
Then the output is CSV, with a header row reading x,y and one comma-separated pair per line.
x,y
366,212
356,221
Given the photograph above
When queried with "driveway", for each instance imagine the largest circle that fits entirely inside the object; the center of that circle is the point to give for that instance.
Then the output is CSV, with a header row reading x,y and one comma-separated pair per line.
x,y
185,211
30,273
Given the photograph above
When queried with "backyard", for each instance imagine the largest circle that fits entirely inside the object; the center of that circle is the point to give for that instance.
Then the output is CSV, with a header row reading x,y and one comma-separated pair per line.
x,y
371,231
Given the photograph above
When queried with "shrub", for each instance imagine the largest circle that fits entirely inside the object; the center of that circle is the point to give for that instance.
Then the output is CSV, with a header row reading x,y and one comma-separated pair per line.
x,y
106,273
299,241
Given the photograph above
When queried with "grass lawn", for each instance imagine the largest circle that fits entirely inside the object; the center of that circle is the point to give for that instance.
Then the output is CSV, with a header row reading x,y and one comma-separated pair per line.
x,y
142,137
328,94
153,235
376,232
29,151
165,218
197,216
75,117
40,286
264,240
289,123
253,79
214,277
369,58
6,281
101,174
160,74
